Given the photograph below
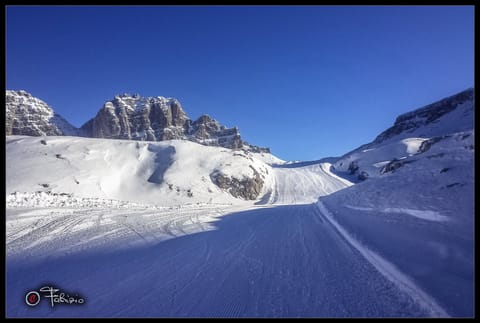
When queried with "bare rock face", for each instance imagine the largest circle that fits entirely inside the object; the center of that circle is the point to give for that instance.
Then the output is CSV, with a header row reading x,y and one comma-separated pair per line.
x,y
30,116
248,188
208,131
138,118
127,116
157,119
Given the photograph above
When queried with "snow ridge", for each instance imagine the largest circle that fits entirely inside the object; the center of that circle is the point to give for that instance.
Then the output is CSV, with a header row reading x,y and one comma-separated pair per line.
x,y
449,115
387,269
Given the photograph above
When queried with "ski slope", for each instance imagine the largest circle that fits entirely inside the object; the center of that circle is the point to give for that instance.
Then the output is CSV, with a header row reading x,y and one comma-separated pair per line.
x,y
285,261
304,184
399,244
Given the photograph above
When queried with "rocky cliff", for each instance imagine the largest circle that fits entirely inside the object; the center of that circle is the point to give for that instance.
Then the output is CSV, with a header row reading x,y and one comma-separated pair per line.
x,y
156,119
27,115
126,116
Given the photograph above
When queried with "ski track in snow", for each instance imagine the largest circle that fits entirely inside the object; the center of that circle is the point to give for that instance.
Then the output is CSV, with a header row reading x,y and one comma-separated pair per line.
x,y
304,185
264,262
286,259
388,269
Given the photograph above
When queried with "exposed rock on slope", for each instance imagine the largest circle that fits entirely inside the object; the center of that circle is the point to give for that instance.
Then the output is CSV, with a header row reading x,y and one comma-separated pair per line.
x,y
248,188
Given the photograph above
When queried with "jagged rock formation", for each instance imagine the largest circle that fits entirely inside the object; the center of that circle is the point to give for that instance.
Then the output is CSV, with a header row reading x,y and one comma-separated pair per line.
x,y
30,116
138,118
156,119
125,117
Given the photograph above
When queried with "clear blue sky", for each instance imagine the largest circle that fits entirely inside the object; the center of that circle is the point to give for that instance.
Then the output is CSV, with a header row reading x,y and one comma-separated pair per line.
x,y
306,81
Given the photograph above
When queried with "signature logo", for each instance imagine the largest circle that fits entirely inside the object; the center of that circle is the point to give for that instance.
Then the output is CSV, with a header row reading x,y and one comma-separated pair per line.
x,y
54,296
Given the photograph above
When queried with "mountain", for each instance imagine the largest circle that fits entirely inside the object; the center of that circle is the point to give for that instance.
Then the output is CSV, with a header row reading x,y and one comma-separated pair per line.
x,y
386,230
412,134
430,121
27,115
411,211
157,119
127,116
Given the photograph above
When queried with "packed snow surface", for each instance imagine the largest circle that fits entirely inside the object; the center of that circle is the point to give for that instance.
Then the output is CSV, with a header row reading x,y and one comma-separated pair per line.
x,y
139,229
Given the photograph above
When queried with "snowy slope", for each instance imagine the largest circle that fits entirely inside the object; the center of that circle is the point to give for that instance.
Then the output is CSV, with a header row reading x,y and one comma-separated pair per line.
x,y
411,215
141,230
452,115
418,218
304,184
449,115
285,261
157,173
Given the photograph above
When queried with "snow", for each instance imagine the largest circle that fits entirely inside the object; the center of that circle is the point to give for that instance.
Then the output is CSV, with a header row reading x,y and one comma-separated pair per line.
x,y
418,218
388,270
412,145
421,214
373,159
259,262
365,250
156,173
268,158
304,184
138,103
113,220
460,119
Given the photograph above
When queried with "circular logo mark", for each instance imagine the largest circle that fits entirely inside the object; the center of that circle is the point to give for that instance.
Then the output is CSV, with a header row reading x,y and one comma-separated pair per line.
x,y
32,298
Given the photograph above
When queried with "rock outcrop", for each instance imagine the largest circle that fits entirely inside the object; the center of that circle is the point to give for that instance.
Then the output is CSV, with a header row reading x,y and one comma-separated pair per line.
x,y
30,116
248,188
156,119
127,116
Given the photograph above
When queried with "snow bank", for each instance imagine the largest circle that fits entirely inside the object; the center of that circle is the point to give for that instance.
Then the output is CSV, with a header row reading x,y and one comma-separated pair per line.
x,y
386,268
418,217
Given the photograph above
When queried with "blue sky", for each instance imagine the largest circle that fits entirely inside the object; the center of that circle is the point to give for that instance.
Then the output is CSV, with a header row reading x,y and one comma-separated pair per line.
x,y
306,81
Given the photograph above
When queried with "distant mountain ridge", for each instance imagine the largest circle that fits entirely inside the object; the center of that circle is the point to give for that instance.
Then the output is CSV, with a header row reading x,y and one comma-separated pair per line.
x,y
410,122
444,122
126,116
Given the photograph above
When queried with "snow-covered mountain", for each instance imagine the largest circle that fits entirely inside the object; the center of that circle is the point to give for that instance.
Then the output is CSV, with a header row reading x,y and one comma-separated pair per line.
x,y
385,230
448,123
450,115
411,212
28,115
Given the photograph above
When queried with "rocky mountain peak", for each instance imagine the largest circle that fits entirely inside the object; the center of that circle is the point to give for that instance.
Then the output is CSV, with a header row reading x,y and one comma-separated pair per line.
x,y
129,116
28,115
125,116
